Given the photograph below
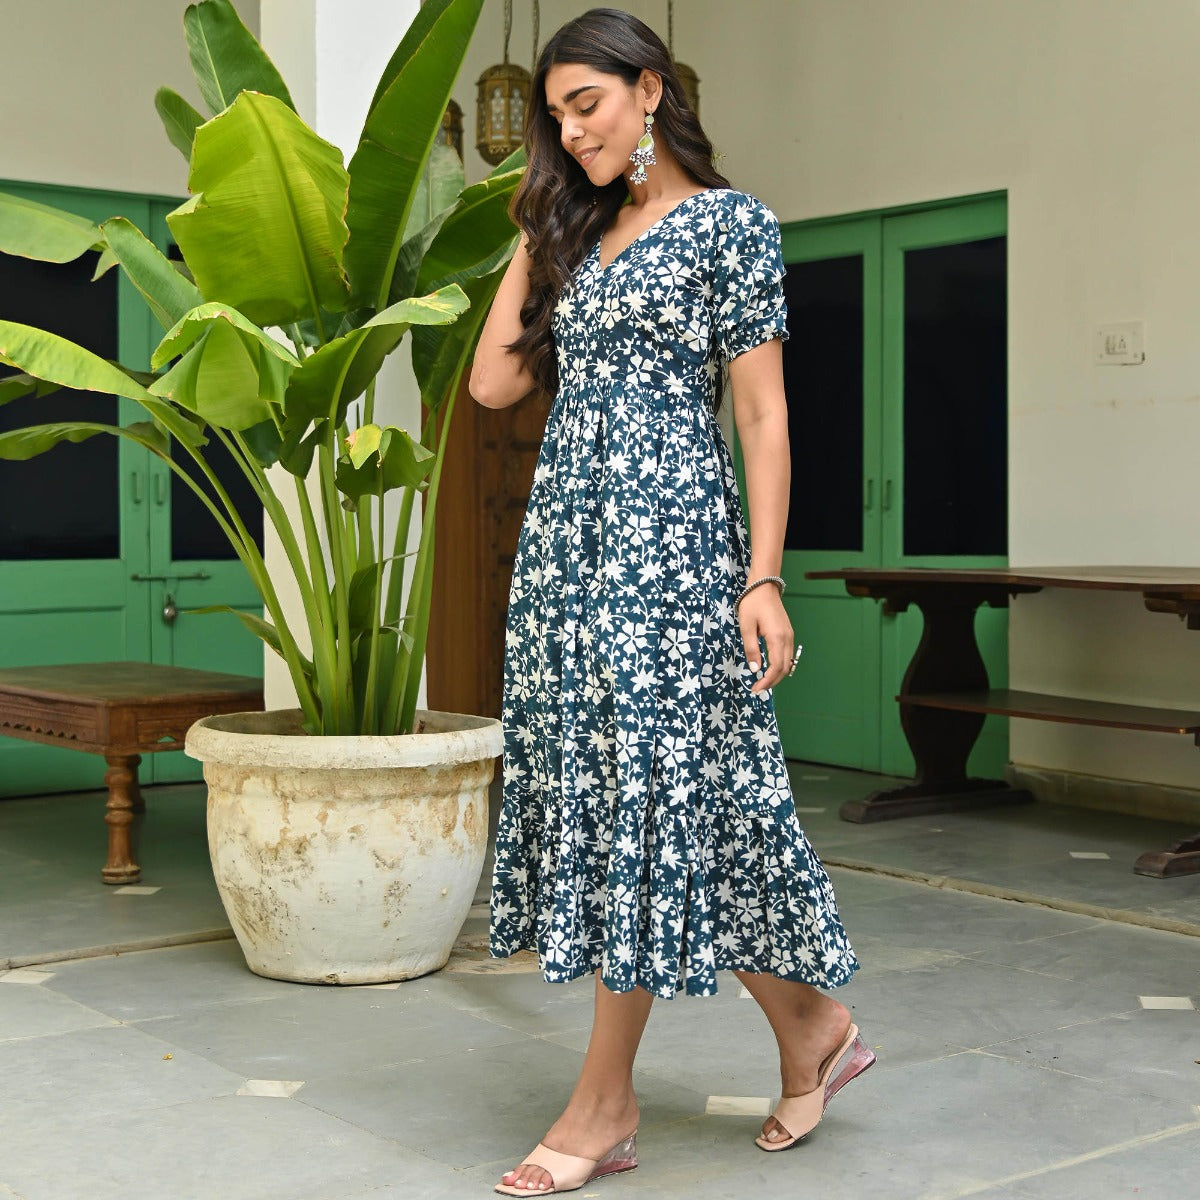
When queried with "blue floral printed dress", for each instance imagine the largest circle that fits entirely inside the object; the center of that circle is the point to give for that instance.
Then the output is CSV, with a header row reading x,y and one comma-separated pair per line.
x,y
648,828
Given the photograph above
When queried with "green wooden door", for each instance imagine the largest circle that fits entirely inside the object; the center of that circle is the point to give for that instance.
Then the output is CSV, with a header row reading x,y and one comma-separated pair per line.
x,y
944,412
895,377
92,537
827,711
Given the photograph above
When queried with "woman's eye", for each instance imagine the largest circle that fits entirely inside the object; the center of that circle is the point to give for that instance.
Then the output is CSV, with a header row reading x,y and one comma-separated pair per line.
x,y
585,111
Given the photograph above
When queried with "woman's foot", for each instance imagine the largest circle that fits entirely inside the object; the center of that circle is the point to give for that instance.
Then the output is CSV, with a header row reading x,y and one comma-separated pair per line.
x,y
586,1129
814,1039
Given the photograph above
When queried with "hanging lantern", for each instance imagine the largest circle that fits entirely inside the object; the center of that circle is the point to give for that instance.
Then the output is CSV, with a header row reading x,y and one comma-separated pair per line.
x,y
452,125
687,77
500,105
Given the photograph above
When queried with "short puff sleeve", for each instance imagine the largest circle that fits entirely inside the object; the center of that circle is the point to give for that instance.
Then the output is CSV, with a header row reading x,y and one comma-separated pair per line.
x,y
749,305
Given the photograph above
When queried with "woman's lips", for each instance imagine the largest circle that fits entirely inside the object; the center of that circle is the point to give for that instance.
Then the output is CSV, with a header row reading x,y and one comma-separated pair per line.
x,y
587,156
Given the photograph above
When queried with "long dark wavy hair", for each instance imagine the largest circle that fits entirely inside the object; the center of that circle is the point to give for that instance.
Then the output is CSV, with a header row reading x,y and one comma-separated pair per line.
x,y
555,204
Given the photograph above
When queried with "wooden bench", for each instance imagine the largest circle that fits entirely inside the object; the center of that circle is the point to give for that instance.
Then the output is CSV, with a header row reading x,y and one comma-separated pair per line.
x,y
121,711
945,695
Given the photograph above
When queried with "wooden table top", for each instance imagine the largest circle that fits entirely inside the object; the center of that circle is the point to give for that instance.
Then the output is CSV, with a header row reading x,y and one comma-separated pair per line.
x,y
1180,581
117,683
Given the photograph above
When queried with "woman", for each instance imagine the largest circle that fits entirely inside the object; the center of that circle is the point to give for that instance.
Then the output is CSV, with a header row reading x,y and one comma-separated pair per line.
x,y
648,832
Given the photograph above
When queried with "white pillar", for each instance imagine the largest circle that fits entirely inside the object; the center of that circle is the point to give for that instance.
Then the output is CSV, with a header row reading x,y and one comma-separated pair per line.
x,y
331,54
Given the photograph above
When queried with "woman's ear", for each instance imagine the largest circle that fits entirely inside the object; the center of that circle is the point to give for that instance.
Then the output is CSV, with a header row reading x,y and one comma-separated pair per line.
x,y
650,87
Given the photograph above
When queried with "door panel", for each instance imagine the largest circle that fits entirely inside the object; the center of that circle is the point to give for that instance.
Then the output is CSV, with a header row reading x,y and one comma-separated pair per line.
x,y
896,382
829,710
945,433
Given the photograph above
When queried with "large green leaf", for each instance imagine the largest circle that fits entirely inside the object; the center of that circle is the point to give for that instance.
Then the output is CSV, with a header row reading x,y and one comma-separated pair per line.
x,y
21,444
265,231
56,360
14,387
437,189
37,231
387,458
226,58
192,325
327,382
438,354
402,125
169,295
228,378
475,238
179,119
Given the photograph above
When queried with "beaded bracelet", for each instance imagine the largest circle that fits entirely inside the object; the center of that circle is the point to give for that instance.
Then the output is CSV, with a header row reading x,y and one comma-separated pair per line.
x,y
751,586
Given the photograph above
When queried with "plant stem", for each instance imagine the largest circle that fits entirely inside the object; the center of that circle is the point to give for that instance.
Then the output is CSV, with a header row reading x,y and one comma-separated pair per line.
x,y
343,695
371,714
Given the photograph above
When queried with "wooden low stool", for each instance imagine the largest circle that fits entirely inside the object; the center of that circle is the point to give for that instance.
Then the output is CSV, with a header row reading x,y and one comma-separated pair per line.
x,y
120,711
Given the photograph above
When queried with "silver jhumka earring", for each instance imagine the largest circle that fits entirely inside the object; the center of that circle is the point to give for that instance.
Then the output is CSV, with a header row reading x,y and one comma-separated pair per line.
x,y
644,154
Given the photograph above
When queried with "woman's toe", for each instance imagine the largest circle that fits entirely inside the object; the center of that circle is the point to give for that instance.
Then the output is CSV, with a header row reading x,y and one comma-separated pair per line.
x,y
772,1131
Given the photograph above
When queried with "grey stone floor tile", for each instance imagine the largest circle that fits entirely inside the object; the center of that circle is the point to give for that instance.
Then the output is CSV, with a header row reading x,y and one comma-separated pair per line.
x,y
233,1147
880,954
165,982
1121,958
54,900
523,1003
30,1011
1141,1053
977,1004
933,918
1158,1170
974,1121
88,1073
315,1032
480,1106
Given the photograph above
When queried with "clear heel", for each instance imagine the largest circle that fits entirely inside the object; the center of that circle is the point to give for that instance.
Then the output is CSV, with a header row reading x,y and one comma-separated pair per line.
x,y
622,1157
862,1058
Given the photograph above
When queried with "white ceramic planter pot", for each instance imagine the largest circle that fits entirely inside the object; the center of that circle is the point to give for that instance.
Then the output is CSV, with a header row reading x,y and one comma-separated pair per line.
x,y
346,859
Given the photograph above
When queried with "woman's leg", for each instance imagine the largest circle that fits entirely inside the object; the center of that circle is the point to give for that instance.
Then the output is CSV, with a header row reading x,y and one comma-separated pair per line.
x,y
602,1109
808,1026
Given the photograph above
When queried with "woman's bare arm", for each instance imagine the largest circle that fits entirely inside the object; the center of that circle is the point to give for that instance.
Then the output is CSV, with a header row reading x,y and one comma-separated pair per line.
x,y
760,410
499,377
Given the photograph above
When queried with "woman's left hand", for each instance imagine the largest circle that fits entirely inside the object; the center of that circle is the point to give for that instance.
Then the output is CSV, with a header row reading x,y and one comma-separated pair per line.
x,y
762,615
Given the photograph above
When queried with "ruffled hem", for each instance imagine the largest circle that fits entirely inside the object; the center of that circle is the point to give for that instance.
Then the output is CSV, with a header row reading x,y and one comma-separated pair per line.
x,y
750,894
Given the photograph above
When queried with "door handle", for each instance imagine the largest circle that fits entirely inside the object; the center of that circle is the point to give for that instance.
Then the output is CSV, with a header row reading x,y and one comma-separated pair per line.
x,y
160,489
869,495
887,496
170,611
135,486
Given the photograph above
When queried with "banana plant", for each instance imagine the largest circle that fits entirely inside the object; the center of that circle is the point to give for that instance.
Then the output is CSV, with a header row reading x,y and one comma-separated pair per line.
x,y
300,276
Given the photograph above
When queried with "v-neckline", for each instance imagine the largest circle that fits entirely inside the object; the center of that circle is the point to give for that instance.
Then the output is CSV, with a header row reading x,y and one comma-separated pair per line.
x,y
603,267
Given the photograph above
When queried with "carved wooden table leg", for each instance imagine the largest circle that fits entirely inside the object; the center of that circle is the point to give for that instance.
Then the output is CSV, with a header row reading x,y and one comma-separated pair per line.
x,y
1182,859
947,659
124,804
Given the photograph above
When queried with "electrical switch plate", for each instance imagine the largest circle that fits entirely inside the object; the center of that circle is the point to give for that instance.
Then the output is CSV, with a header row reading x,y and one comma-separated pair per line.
x,y
1121,345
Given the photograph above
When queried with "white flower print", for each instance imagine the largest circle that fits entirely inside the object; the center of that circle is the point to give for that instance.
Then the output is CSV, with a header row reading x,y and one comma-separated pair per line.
x,y
645,791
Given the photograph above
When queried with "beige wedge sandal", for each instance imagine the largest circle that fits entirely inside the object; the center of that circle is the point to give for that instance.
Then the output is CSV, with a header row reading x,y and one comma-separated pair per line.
x,y
800,1115
570,1173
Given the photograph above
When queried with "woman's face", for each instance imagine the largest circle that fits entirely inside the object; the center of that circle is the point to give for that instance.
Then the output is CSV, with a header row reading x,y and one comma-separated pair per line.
x,y
600,117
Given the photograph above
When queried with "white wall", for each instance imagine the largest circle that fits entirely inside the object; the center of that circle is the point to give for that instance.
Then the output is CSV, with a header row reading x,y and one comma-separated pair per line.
x,y
78,92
